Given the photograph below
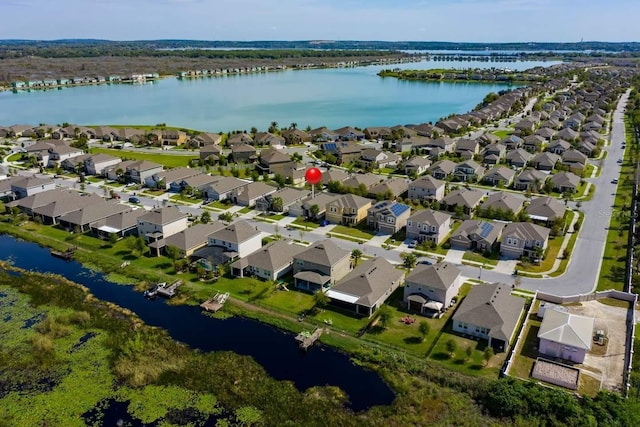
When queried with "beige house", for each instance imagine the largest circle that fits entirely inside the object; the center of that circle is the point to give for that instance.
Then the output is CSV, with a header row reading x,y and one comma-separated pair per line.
x,y
188,240
426,188
237,239
564,335
320,266
161,223
524,239
270,262
347,209
437,283
388,216
429,225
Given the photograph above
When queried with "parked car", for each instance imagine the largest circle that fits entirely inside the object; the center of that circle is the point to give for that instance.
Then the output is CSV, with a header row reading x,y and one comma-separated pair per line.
x,y
614,181
619,160
134,200
413,244
324,222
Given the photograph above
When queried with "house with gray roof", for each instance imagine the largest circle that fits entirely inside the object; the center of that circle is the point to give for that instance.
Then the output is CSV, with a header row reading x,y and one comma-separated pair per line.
x,y
502,204
493,154
287,195
565,182
574,159
518,158
303,208
467,199
248,194
198,181
442,169
476,235
205,139
237,240
367,180
210,153
530,179
545,161
161,223
89,211
321,265
243,153
567,134
367,287
392,187
270,262
76,164
491,313
429,225
546,132
188,240
388,216
6,194
96,164
524,239
512,142
68,201
273,160
334,175
120,224
28,186
139,171
437,283
468,170
467,148
348,133
295,136
545,209
566,336
267,138
417,165
373,158
559,146
426,188
240,138
499,176
444,143
533,143
164,179
221,187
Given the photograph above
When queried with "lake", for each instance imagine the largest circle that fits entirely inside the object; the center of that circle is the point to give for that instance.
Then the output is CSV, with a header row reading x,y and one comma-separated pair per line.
x,y
332,97
275,350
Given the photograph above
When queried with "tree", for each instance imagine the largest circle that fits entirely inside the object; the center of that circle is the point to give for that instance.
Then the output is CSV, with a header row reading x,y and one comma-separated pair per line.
x,y
424,328
409,259
277,204
356,254
205,217
451,346
113,238
140,246
487,355
320,298
293,125
468,352
226,217
280,180
384,316
274,127
314,210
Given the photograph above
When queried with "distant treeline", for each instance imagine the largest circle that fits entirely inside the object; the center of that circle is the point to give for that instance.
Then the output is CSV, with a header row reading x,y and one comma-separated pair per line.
x,y
90,44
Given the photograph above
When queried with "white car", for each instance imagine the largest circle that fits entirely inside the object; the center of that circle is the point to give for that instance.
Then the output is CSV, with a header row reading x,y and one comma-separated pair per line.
x,y
413,244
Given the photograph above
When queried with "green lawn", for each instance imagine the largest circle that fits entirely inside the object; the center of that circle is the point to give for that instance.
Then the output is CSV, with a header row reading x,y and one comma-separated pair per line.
x,y
184,199
168,160
15,157
217,204
353,232
502,133
527,351
303,223
478,257
245,210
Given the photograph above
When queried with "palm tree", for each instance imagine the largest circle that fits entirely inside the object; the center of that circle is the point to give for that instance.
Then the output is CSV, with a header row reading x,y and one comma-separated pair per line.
x,y
293,125
384,316
314,210
356,254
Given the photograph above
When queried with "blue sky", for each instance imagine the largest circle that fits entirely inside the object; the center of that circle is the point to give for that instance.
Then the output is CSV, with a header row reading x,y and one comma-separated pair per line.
x,y
423,20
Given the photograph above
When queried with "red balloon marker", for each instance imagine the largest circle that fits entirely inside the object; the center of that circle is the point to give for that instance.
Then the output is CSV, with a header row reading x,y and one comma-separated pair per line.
x,y
313,176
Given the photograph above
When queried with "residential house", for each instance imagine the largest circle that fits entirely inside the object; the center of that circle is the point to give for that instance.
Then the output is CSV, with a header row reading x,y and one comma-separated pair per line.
x,y
348,133
221,188
494,154
96,164
161,223
545,209
93,209
524,239
29,203
6,194
587,148
546,132
476,235
372,158
533,143
270,262
518,158
512,142
429,284
243,153
388,217
429,225
140,170
444,143
76,164
367,287
60,153
362,181
526,125
467,148
468,200
162,180
416,166
574,159
334,175
295,136
121,224
347,151
468,170
173,137
490,312
503,205
28,186
248,194
530,179
559,146
239,139
323,134
565,182
567,134
273,161
191,183
284,197
210,153
305,207
237,239
188,240
426,188
566,336
267,138
442,169
392,187
347,209
545,161
499,176
205,139
376,133
320,266
68,201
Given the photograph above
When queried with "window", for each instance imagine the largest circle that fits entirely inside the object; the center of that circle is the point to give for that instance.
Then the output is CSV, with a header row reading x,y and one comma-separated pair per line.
x,y
409,223
391,220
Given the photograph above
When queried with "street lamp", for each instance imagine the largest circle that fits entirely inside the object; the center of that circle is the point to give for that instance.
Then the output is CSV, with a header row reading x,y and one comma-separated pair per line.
x,y
480,274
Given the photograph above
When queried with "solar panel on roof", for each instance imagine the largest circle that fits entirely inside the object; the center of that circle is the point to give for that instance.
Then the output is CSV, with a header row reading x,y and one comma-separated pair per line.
x,y
398,209
485,229
330,147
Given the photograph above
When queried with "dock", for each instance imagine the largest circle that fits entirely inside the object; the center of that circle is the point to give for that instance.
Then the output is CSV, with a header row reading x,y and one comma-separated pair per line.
x,y
65,255
214,304
168,291
306,339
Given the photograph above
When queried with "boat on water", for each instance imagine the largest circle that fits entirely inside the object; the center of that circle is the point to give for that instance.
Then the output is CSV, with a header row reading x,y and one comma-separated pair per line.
x,y
152,292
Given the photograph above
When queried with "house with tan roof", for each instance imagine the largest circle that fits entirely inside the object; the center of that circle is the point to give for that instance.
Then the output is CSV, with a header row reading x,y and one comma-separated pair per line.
x,y
347,209
243,153
205,139
442,169
335,175
210,153
437,283
188,240
273,160
429,225
248,194
467,199
545,209
530,179
367,180
270,262
221,187
491,313
120,224
502,205
267,138
288,196
426,188
239,139
545,161
524,239
303,208
392,187
237,239
388,216
476,235
565,182
499,176
367,287
89,212
160,223
164,179
320,266
68,201
295,136
29,186
417,165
